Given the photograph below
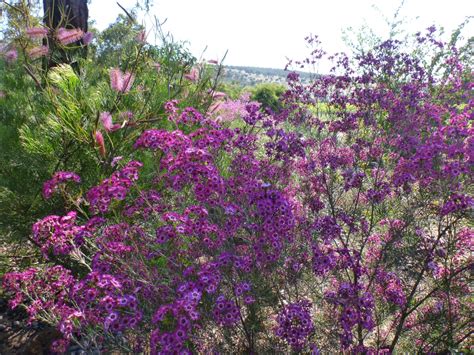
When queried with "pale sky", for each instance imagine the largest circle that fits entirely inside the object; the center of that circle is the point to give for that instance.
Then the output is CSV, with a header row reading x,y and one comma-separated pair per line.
x,y
265,32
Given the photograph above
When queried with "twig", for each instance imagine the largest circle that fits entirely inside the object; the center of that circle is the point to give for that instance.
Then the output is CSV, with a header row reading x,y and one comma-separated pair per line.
x,y
12,6
30,73
127,13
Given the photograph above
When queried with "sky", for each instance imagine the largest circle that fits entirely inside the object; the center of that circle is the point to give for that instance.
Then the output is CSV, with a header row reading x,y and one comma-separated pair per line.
x,y
265,33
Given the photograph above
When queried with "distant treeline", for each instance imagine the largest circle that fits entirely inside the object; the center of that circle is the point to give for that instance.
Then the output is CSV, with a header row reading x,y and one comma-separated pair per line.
x,y
268,71
253,75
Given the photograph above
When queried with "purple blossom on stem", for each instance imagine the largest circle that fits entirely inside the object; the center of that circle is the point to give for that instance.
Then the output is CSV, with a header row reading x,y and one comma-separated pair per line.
x,y
11,55
295,325
60,177
113,188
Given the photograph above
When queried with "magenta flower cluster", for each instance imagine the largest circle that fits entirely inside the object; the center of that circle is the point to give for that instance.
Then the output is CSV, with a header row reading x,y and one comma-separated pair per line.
x,y
295,324
354,309
60,177
61,235
113,188
48,287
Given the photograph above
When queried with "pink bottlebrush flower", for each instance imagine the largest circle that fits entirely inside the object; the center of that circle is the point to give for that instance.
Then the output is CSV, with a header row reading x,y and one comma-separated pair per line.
x,y
141,37
217,94
87,38
214,107
121,82
99,139
229,110
37,52
106,119
157,67
36,32
11,55
65,36
193,75
212,61
115,79
127,115
128,79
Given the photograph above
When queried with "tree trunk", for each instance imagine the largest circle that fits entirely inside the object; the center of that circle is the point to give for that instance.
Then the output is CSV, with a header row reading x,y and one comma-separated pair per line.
x,y
68,14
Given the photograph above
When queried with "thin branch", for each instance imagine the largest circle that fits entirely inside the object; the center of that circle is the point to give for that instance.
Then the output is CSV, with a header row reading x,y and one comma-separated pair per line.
x,y
131,18
30,73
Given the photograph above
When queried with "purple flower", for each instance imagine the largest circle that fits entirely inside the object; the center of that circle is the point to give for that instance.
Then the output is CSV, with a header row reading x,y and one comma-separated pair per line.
x,y
11,55
87,38
295,324
60,177
115,187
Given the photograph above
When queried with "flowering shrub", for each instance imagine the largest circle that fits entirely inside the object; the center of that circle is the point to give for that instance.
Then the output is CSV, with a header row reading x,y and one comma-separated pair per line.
x,y
79,113
299,230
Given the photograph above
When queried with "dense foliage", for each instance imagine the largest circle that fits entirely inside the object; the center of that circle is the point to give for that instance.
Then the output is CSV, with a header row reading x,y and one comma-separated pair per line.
x,y
49,117
341,220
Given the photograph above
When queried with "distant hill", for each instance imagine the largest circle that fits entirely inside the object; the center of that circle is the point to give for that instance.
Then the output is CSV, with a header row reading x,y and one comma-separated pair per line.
x,y
248,76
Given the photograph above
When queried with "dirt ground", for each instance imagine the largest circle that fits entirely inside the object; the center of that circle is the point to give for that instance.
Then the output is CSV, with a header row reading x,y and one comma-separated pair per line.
x,y
17,337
